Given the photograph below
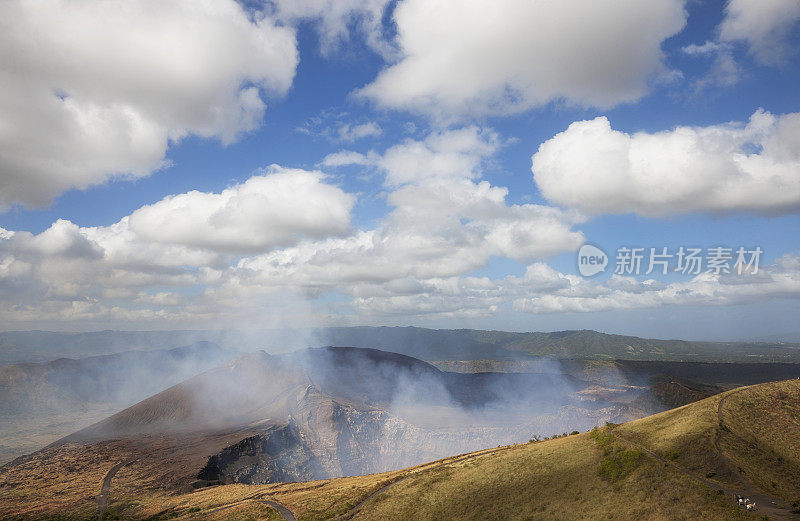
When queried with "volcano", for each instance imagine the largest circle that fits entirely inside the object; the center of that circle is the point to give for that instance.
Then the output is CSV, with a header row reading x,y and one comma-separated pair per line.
x,y
335,411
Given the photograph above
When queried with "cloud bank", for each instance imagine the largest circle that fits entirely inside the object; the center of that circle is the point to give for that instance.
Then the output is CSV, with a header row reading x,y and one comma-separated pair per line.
x,y
285,235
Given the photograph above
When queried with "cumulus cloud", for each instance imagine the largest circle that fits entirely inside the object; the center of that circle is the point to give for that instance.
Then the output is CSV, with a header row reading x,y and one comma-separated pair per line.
x,y
471,57
336,18
749,166
436,231
445,223
352,133
764,25
98,90
453,154
120,271
724,70
266,211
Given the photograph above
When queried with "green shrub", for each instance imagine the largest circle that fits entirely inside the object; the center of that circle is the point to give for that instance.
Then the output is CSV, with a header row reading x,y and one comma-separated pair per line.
x,y
603,437
617,464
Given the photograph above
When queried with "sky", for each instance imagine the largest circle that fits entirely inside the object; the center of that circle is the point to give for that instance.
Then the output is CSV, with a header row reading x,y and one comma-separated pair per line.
x,y
438,163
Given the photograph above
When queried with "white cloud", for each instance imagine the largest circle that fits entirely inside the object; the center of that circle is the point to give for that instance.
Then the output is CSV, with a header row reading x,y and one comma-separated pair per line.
x,y
346,157
337,127
722,168
764,25
724,70
472,57
335,18
264,212
445,223
98,90
186,240
352,133
453,154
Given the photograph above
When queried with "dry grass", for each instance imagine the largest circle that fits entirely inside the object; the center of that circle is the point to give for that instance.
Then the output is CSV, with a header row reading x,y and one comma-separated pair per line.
x,y
59,483
686,436
552,480
765,436
245,512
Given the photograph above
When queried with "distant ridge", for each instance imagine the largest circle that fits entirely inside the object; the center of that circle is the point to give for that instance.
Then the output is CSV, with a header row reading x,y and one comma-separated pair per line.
x,y
473,344
421,343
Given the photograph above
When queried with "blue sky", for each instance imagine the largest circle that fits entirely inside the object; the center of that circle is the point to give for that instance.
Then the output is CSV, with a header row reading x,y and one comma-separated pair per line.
x,y
403,142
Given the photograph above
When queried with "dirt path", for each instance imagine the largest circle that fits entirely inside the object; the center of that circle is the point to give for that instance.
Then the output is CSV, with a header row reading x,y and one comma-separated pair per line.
x,y
105,490
769,505
287,514
353,511
282,510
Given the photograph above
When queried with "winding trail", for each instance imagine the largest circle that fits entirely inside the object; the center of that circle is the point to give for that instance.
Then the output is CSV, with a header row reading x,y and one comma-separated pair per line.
x,y
284,511
769,505
104,498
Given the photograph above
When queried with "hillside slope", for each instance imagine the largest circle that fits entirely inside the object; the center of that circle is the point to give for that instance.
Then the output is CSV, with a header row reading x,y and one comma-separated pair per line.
x,y
683,464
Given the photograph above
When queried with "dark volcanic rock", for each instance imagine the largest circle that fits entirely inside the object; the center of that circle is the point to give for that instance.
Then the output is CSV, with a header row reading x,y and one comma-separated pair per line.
x,y
276,455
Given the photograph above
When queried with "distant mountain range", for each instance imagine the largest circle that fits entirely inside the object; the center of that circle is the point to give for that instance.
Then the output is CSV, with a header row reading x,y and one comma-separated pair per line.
x,y
425,344
472,344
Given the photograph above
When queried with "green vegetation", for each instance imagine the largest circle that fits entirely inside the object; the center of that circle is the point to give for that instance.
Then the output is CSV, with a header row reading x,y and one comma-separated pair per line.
x,y
617,462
